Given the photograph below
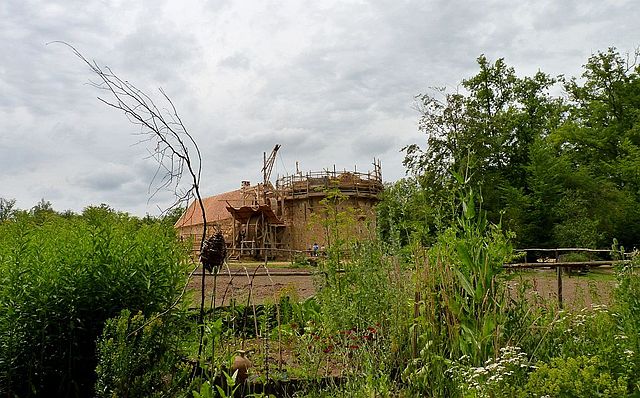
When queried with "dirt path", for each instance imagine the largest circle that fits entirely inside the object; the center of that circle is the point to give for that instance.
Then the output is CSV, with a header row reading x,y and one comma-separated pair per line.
x,y
264,285
239,281
578,291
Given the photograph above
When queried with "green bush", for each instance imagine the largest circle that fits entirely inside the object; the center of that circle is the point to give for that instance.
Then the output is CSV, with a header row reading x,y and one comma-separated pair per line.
x,y
138,357
461,305
61,279
581,376
361,309
627,308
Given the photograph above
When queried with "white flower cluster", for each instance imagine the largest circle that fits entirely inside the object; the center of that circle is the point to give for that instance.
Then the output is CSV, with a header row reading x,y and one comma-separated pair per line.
x,y
484,379
599,308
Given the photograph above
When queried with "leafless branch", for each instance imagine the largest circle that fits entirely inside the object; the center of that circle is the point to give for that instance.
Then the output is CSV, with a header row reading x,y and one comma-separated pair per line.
x,y
171,145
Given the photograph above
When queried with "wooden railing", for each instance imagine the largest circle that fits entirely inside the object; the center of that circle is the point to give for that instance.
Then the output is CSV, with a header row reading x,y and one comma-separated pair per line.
x,y
559,265
318,182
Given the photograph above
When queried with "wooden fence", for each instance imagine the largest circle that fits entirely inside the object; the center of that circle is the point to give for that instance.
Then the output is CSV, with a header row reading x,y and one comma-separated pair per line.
x,y
564,266
548,262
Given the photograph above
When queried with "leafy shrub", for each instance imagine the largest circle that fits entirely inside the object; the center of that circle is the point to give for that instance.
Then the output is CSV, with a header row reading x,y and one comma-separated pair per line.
x,y
627,308
367,292
357,293
582,376
300,260
60,280
137,357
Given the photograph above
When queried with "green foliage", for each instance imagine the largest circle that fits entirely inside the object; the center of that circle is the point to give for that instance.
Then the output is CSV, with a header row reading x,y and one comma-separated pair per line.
x,y
42,211
62,278
7,209
205,391
358,293
303,313
138,356
404,214
581,376
558,171
462,300
627,295
361,310
591,342
300,261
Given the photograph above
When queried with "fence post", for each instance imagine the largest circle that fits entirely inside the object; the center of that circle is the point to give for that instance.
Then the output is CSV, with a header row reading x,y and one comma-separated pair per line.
x,y
559,273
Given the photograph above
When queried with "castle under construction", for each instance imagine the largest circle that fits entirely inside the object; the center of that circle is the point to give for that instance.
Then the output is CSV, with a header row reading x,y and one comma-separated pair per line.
x,y
291,217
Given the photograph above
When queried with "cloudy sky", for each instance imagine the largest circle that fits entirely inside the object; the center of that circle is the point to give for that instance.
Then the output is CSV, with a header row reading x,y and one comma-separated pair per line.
x,y
333,82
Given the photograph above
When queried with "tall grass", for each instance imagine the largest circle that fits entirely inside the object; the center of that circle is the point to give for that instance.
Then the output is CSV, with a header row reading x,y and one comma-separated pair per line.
x,y
460,303
61,279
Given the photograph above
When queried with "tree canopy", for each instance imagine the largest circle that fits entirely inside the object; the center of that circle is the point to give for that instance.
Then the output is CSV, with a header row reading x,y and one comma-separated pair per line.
x,y
556,159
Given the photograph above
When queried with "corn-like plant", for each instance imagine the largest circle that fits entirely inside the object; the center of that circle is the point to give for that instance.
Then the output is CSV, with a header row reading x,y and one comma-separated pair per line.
x,y
460,304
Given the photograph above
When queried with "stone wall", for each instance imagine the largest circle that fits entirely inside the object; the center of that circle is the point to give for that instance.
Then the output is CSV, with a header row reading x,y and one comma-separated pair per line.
x,y
309,221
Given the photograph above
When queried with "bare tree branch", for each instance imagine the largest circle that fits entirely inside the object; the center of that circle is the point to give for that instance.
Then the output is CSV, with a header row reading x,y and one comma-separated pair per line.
x,y
171,146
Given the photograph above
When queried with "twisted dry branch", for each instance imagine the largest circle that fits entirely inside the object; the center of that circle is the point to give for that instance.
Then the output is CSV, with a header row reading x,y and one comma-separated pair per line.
x,y
170,145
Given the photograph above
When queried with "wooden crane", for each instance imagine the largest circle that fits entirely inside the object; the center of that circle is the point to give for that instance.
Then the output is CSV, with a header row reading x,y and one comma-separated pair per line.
x,y
268,164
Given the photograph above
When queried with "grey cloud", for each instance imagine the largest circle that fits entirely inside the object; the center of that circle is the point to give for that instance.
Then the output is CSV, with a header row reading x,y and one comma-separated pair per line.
x,y
236,61
331,82
376,145
21,158
107,178
33,72
157,52
122,184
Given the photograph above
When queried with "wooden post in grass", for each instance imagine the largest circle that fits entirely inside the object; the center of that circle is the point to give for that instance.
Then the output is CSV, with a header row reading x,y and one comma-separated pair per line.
x,y
559,273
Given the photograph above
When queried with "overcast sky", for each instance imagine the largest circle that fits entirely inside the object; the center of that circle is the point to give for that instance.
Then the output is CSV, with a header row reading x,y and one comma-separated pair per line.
x,y
332,81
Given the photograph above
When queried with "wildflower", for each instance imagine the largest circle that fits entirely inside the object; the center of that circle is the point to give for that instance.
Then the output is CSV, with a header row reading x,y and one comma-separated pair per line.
x,y
480,371
599,307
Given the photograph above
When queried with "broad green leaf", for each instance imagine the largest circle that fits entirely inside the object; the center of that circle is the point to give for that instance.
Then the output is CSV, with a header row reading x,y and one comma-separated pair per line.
x,y
466,285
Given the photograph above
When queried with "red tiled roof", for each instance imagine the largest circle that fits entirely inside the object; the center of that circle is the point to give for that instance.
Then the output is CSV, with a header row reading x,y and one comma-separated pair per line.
x,y
215,208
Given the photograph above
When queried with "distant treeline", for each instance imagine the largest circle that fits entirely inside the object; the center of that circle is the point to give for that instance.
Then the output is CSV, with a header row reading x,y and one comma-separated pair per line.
x,y
43,211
